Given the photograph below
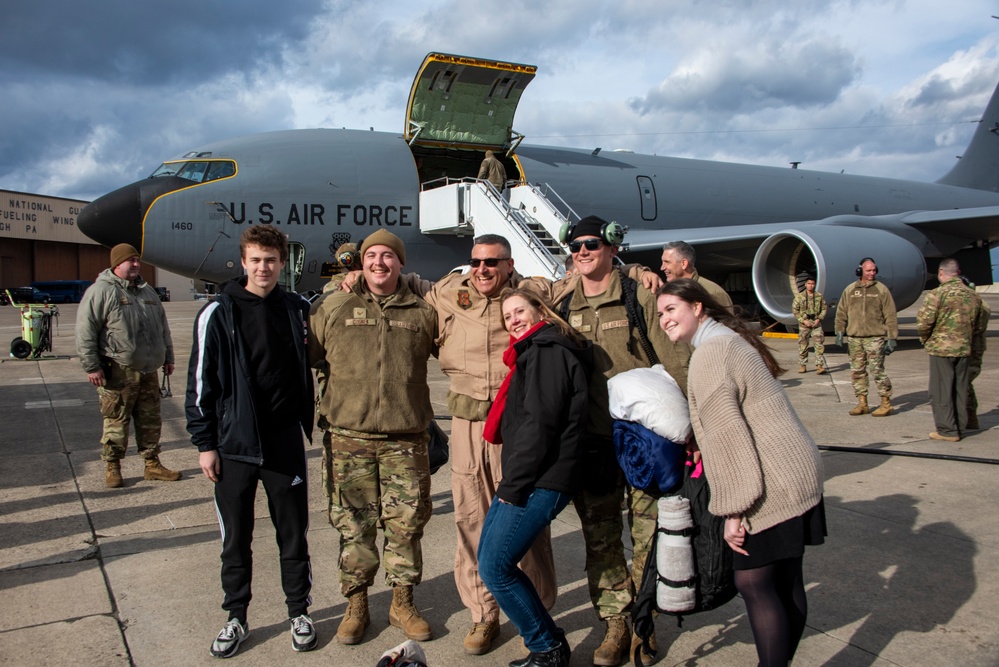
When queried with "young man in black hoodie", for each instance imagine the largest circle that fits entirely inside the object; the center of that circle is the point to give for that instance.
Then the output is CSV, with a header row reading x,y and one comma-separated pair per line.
x,y
249,406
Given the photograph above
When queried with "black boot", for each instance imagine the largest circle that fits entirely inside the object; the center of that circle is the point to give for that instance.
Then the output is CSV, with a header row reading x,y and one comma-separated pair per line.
x,y
556,657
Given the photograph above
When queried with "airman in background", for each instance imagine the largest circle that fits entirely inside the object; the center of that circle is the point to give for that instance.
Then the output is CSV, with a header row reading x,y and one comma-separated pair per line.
x,y
866,314
493,171
678,262
947,322
123,339
978,342
809,308
347,259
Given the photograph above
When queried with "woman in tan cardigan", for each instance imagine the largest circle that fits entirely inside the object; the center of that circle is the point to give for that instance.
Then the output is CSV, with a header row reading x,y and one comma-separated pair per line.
x,y
764,469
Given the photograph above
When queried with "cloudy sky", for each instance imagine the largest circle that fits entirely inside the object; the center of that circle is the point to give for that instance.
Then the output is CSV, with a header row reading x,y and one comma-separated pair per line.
x,y
96,95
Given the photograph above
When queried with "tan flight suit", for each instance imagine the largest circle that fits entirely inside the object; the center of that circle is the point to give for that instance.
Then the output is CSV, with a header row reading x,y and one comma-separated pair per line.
x,y
472,341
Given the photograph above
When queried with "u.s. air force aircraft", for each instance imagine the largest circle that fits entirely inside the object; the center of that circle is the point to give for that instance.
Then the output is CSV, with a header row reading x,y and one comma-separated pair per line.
x,y
756,229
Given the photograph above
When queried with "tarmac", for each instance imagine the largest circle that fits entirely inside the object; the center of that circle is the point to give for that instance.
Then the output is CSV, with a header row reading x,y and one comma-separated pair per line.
x,y
130,576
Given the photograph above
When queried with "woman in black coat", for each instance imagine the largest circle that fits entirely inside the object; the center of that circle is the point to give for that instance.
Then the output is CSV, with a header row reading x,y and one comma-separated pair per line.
x,y
538,415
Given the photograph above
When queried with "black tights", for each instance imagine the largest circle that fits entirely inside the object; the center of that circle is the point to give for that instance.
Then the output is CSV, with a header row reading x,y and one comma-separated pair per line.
x,y
775,601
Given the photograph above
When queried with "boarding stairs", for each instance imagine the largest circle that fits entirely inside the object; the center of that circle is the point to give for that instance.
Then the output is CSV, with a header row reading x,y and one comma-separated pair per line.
x,y
527,215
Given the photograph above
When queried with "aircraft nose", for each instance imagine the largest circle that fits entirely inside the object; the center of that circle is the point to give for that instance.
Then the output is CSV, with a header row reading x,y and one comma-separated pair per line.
x,y
117,216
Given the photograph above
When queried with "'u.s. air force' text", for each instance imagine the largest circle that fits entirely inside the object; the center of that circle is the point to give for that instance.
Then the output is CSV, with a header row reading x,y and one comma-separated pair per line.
x,y
361,215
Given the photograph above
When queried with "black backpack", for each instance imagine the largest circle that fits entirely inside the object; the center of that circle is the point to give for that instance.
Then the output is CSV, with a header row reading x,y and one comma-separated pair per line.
x,y
714,577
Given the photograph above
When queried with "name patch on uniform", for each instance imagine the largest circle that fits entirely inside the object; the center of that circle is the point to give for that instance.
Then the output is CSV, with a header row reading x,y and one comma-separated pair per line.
x,y
404,325
617,324
149,303
360,322
464,299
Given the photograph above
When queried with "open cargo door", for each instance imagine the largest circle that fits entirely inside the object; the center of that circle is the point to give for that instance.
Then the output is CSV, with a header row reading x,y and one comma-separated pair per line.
x,y
462,102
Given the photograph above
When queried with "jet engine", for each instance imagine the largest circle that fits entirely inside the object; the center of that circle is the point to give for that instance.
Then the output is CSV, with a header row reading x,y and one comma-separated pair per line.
x,y
832,254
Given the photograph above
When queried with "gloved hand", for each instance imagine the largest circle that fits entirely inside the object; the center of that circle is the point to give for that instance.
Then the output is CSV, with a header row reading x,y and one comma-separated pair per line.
x,y
839,338
890,346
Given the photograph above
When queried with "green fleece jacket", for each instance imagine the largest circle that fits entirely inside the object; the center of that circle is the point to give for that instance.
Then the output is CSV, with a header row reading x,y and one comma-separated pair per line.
x,y
865,311
374,352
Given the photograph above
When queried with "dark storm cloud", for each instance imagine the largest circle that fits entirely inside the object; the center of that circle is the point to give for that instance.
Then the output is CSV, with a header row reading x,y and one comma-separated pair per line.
x,y
147,43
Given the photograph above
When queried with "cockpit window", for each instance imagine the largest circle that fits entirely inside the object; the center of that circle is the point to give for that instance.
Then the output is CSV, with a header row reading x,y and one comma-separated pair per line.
x,y
198,171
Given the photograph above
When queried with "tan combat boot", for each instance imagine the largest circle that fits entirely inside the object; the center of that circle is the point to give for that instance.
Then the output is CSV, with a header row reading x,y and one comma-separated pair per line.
x,y
861,408
355,619
648,656
820,370
802,369
615,645
884,409
404,614
156,471
480,638
113,475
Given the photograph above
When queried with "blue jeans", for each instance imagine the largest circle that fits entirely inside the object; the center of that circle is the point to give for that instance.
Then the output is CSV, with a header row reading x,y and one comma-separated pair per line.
x,y
507,534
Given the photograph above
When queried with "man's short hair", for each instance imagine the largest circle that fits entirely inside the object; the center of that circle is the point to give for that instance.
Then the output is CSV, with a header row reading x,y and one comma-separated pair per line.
x,y
264,236
683,249
950,266
493,239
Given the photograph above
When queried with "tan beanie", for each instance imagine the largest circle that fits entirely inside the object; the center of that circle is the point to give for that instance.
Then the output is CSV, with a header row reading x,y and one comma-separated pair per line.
x,y
121,252
386,238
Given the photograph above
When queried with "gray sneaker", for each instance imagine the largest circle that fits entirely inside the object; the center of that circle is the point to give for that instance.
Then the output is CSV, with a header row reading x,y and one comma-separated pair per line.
x,y
303,633
232,635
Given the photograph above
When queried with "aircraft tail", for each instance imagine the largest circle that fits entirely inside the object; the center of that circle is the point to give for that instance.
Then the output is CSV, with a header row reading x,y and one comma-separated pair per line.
x,y
978,168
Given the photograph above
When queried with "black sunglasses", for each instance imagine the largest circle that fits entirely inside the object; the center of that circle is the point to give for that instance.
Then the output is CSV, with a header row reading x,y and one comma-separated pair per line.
x,y
491,262
591,245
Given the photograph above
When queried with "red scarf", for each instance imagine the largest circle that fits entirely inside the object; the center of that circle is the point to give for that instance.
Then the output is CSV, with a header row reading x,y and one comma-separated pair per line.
x,y
491,431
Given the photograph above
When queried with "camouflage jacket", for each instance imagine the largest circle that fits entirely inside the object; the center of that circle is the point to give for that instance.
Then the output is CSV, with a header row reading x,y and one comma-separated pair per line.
x,y
805,304
951,315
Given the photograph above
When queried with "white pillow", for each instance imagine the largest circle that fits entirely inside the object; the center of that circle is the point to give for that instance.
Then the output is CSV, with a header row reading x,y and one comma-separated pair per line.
x,y
651,397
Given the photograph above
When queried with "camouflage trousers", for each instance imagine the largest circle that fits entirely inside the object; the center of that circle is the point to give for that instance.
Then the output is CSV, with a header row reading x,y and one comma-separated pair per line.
x,y
868,352
816,337
378,482
611,587
128,395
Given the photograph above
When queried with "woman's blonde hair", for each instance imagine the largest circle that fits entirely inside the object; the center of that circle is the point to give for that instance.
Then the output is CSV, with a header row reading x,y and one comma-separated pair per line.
x,y
547,313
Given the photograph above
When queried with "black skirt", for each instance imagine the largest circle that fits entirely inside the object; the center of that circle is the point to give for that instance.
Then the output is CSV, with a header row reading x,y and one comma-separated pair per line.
x,y
785,540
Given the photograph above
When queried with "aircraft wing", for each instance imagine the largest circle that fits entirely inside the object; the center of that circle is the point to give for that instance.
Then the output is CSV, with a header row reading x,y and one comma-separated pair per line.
x,y
735,245
777,254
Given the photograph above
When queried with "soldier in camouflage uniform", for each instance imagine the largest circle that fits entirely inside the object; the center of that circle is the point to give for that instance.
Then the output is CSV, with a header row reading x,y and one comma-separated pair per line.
x,y
866,313
372,343
597,310
809,308
950,317
975,367
123,339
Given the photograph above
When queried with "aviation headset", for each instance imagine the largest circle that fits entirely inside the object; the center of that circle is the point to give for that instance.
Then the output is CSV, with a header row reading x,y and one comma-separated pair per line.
x,y
860,266
611,232
348,259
